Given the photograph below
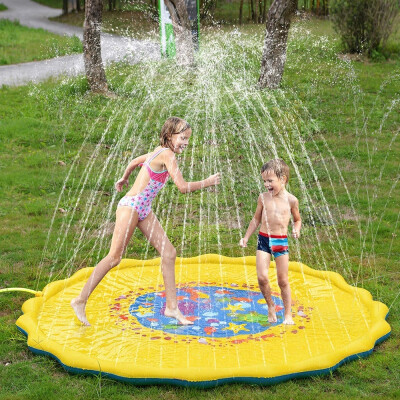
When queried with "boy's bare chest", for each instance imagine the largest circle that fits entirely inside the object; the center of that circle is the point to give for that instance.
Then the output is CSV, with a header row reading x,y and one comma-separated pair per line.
x,y
276,208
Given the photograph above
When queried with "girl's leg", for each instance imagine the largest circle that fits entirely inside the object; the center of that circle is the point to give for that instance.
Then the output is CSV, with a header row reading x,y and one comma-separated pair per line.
x,y
125,224
154,232
262,264
282,269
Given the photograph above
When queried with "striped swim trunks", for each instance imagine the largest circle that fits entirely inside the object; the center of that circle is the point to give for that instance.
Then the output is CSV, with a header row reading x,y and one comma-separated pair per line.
x,y
277,245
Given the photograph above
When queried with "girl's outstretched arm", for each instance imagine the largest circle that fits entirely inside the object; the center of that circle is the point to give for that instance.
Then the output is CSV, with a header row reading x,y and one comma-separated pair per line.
x,y
124,181
187,187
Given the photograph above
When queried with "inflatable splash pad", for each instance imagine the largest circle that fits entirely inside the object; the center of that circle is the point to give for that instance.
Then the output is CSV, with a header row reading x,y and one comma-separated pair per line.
x,y
231,339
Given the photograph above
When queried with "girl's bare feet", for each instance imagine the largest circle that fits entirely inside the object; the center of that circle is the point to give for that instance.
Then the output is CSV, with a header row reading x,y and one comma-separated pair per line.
x,y
272,315
175,313
79,309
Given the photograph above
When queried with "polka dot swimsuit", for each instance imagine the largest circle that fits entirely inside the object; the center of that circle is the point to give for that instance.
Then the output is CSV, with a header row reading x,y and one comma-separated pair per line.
x,y
142,201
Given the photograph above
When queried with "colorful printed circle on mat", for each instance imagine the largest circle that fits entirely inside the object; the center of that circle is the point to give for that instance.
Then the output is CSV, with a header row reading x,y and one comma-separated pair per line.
x,y
231,338
215,311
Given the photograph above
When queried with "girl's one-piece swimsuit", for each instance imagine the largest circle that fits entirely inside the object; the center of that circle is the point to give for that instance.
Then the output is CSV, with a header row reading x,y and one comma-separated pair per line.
x,y
141,202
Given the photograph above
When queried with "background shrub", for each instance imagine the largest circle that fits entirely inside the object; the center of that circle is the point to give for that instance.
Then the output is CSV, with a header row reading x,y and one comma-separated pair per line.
x,y
364,25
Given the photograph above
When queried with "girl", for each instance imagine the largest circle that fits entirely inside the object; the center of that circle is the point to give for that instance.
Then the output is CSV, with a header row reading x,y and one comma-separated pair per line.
x,y
135,210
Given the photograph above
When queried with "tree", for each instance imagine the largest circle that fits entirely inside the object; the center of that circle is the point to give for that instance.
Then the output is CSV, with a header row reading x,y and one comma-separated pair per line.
x,y
241,12
264,13
253,11
112,5
92,47
182,31
275,42
71,5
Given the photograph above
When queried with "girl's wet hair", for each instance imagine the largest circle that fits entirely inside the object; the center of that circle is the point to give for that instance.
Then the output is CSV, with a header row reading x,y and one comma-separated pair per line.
x,y
172,126
278,167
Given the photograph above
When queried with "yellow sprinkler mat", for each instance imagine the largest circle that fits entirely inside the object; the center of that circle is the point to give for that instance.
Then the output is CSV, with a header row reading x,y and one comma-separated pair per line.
x,y
231,340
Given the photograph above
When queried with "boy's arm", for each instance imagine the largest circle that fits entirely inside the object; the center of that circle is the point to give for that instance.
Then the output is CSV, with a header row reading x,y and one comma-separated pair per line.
x,y
296,218
131,166
254,223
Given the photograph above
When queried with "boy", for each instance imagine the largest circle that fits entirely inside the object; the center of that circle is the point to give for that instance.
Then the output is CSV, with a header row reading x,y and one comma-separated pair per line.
x,y
273,212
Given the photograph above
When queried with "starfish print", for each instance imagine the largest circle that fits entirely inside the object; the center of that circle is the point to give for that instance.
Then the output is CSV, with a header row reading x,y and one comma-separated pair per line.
x,y
143,310
233,309
235,328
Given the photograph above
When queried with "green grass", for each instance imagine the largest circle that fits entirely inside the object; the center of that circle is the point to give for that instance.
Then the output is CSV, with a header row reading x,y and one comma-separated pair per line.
x,y
127,23
21,44
345,113
3,7
51,3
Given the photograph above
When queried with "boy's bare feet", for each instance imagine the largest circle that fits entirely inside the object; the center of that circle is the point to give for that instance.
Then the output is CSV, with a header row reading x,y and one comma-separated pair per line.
x,y
79,309
177,315
272,315
288,319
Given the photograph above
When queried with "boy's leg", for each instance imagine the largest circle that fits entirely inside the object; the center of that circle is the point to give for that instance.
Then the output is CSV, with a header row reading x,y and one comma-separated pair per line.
x,y
262,263
155,234
282,270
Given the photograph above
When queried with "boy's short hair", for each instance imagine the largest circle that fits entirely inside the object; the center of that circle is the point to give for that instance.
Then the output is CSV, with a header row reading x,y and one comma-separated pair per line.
x,y
278,166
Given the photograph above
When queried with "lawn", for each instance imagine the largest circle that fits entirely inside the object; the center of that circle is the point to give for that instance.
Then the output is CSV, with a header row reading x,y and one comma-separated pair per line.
x,y
335,121
20,44
133,23
51,3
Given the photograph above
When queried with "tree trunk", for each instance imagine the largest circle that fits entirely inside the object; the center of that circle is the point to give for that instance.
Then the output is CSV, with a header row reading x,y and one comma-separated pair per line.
x,y
276,34
92,47
255,11
264,16
112,5
252,10
241,12
182,31
65,7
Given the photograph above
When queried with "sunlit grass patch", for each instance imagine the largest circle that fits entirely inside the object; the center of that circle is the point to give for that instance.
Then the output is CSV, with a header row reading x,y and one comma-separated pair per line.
x,y
21,44
51,3
133,23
